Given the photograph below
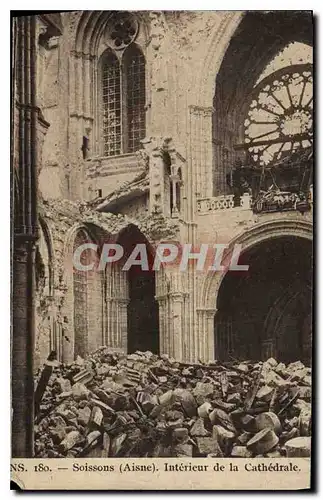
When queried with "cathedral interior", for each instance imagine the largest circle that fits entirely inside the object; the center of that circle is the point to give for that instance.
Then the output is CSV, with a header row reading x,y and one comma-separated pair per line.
x,y
149,127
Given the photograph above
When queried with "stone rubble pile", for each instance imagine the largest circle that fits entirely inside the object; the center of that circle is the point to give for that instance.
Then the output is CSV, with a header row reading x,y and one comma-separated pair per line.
x,y
143,405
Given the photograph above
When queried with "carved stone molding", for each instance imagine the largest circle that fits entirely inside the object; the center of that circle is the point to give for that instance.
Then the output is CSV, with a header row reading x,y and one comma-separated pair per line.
x,y
157,28
201,110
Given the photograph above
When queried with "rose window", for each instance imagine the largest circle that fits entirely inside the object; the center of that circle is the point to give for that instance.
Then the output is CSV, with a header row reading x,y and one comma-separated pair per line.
x,y
280,119
123,29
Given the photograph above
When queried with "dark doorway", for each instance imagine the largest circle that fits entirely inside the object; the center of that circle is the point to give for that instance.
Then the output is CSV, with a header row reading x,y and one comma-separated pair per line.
x,y
266,311
143,322
142,318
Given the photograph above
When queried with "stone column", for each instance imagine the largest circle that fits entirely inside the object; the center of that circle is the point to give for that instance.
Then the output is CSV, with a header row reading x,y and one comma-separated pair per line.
x,y
201,150
25,236
175,342
205,322
22,349
156,181
87,85
123,324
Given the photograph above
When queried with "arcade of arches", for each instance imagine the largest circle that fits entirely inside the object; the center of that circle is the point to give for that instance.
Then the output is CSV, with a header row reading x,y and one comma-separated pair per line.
x,y
115,307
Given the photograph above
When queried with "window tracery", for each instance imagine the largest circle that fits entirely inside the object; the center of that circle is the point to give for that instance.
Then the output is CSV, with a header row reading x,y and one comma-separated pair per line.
x,y
279,119
123,87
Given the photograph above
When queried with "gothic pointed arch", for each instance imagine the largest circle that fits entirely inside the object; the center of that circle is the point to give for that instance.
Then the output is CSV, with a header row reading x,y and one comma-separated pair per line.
x,y
255,74
108,81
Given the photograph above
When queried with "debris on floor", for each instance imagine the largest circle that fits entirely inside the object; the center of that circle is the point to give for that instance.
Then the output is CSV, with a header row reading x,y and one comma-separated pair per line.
x,y
144,405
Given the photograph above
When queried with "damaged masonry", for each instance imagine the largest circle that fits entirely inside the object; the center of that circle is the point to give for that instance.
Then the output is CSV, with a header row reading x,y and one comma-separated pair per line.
x,y
142,405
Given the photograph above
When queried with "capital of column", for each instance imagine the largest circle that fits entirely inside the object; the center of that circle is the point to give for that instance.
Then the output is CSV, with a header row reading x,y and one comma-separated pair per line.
x,y
176,296
209,312
201,110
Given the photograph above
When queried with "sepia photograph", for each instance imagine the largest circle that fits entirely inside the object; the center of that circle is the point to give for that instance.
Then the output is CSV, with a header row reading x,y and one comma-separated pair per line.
x,y
162,249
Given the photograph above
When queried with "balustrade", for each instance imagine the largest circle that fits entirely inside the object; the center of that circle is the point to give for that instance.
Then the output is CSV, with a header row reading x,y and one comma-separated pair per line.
x,y
222,202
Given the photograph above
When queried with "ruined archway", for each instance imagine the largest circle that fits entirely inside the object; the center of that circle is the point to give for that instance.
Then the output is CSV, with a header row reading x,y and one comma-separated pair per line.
x,y
265,311
142,310
263,58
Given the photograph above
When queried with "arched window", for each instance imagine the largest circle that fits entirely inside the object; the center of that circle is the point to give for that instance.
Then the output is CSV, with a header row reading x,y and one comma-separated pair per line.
x,y
123,89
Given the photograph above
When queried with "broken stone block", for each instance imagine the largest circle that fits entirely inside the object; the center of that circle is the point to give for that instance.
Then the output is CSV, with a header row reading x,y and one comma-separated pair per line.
x,y
79,391
187,401
203,390
234,398
224,437
83,415
93,438
58,434
67,415
148,405
280,369
110,385
265,393
204,410
268,420
207,445
79,361
116,444
104,369
167,398
105,445
293,367
289,424
223,405
271,362
298,447
262,442
248,423
292,433
220,417
180,434
273,454
84,377
183,450
64,384
70,441
240,452
305,421
305,392
243,368
244,438
106,409
128,379
96,416
272,379
198,429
